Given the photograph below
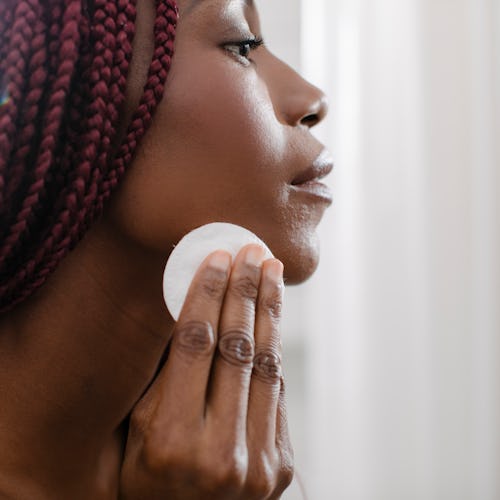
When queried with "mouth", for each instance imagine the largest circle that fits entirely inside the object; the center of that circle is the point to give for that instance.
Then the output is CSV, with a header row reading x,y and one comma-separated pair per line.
x,y
308,181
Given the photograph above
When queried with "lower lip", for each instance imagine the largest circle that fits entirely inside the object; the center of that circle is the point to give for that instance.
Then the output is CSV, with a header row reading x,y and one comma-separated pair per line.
x,y
316,190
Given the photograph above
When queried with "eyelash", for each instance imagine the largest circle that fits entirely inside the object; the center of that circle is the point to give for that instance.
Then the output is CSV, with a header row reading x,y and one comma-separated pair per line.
x,y
249,45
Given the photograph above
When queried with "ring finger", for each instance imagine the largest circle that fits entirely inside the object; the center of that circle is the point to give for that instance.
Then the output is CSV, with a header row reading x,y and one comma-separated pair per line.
x,y
228,398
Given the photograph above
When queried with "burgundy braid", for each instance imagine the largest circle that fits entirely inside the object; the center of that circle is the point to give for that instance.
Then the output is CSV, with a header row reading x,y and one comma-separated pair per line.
x,y
13,72
5,31
65,66
35,78
164,30
66,48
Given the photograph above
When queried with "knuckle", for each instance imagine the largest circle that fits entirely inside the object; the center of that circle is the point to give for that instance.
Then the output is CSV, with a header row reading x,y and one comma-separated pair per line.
x,y
247,286
226,475
272,304
139,419
286,477
261,483
237,347
195,338
230,479
214,282
267,366
260,488
153,456
286,469
159,457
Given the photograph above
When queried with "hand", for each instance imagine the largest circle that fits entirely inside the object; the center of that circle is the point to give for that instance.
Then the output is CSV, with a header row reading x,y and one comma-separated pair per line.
x,y
213,423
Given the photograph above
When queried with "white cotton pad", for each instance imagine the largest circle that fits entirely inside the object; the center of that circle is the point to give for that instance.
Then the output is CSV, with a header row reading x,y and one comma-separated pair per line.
x,y
192,250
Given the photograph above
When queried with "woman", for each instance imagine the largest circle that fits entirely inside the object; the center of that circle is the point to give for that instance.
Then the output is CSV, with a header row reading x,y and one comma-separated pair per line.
x,y
92,405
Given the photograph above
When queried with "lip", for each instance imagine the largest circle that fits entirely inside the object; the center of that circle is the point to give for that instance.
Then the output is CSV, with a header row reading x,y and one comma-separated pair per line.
x,y
307,181
315,189
319,169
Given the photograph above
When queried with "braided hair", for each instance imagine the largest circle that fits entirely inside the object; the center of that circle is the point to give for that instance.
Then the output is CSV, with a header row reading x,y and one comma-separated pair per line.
x,y
63,73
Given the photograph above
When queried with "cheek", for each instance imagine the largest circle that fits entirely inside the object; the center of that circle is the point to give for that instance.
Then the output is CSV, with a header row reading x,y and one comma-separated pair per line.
x,y
222,133
229,116
214,151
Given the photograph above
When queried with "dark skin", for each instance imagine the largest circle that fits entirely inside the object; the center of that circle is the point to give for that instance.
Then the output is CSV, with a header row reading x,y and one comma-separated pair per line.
x,y
83,354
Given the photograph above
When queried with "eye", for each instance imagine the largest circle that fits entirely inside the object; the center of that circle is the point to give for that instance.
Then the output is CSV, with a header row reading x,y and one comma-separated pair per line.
x,y
242,49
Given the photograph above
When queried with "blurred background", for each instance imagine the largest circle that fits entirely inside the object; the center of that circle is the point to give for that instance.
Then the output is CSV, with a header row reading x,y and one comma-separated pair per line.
x,y
392,349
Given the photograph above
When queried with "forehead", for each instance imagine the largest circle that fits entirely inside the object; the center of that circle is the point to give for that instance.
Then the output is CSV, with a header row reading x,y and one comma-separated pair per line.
x,y
190,5
199,2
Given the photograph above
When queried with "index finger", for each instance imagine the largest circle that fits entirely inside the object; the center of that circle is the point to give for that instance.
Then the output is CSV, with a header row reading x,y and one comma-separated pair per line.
x,y
184,377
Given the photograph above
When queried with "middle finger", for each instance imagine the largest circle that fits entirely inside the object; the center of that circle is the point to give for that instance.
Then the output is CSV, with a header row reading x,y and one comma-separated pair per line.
x,y
232,370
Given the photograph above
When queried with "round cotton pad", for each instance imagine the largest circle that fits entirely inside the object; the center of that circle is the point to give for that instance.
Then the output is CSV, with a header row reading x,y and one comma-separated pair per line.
x,y
192,250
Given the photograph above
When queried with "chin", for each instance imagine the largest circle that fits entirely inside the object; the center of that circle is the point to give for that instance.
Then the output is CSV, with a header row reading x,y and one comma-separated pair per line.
x,y
300,261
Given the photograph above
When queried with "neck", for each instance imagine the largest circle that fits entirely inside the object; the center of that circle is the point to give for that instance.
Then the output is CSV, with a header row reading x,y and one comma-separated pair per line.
x,y
74,359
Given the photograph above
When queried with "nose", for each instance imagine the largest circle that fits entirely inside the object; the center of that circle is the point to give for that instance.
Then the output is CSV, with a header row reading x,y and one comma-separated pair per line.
x,y
317,109
297,102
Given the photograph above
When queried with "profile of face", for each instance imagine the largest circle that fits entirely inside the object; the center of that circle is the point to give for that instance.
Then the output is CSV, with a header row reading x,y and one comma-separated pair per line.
x,y
229,140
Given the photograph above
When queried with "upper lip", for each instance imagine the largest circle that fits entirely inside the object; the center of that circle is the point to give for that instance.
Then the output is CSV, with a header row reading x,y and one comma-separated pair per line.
x,y
320,168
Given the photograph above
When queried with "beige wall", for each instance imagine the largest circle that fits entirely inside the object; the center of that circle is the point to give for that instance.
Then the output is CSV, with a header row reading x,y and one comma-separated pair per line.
x,y
393,349
281,28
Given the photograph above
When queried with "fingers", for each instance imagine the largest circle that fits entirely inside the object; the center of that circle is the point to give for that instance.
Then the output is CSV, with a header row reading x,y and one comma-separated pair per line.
x,y
185,376
264,475
280,461
284,447
228,398
265,385
218,426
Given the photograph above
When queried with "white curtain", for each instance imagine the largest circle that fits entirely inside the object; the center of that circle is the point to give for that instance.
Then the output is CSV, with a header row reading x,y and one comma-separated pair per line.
x,y
402,371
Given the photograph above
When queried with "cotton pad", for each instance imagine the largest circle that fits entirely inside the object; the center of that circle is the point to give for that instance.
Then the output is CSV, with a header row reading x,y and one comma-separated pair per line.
x,y
192,250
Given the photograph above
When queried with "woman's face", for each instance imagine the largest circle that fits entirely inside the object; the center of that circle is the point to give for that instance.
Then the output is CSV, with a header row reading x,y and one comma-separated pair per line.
x,y
228,141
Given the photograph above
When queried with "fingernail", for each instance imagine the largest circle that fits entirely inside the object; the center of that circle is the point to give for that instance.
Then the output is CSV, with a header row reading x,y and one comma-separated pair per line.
x,y
220,260
254,255
274,271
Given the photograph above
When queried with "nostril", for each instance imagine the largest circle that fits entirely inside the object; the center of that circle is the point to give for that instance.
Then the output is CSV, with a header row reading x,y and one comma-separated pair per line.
x,y
310,120
316,111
